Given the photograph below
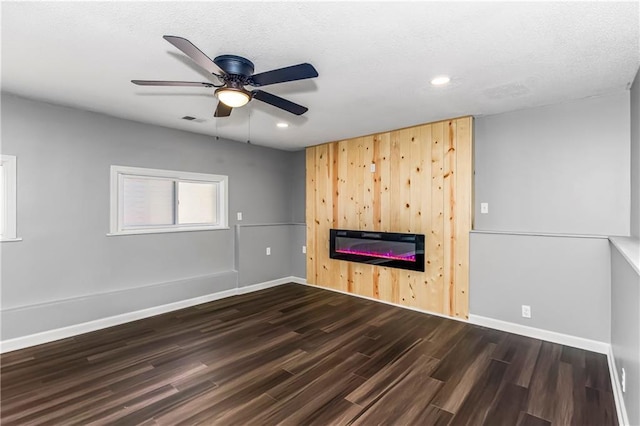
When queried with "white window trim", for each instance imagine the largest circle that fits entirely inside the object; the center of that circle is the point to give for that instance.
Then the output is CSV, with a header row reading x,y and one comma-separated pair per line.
x,y
9,204
116,208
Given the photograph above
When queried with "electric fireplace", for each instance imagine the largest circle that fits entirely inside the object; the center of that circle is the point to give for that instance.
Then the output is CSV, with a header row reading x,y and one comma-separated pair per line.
x,y
395,250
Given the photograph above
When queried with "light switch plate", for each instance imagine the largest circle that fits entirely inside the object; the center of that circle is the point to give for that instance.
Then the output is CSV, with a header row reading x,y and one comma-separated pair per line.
x,y
239,215
484,208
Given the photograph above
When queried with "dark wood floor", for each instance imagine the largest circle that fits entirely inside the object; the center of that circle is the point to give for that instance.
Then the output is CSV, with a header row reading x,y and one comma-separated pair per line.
x,y
300,355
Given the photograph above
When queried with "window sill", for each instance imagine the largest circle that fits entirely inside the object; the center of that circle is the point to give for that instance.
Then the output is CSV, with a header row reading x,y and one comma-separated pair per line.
x,y
629,248
163,231
9,240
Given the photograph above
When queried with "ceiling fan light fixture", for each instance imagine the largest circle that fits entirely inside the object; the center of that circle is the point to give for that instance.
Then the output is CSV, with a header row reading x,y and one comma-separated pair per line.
x,y
233,97
440,80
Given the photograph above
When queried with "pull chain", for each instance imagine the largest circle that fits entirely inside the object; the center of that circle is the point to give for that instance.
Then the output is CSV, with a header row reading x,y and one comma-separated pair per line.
x,y
249,135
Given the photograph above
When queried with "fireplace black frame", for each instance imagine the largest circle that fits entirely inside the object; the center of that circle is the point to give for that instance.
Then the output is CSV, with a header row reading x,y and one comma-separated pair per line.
x,y
417,239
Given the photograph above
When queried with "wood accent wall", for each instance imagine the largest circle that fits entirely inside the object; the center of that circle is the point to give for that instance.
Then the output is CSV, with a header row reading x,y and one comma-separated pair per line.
x,y
422,183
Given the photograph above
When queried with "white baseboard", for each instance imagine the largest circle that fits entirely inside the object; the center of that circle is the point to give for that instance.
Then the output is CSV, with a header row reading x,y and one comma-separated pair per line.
x,y
266,284
537,333
86,327
623,418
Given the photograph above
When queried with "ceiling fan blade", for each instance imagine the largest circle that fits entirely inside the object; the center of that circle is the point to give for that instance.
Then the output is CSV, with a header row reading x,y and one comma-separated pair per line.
x,y
194,53
171,83
279,102
222,110
292,73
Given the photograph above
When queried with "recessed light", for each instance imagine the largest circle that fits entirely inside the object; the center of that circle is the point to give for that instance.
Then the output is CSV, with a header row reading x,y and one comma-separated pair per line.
x,y
282,125
440,80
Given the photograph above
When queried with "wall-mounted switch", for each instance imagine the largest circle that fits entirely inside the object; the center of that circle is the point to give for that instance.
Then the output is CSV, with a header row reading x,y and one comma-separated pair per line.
x,y
268,251
239,214
484,208
372,167
526,311
304,249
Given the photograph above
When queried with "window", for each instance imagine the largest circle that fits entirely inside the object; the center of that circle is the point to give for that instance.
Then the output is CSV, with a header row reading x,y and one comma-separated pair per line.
x,y
8,198
150,201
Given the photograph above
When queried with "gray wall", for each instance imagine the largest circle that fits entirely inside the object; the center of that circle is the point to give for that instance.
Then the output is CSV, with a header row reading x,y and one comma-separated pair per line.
x,y
298,185
555,169
565,280
63,159
635,157
286,258
298,258
254,265
558,170
625,280
625,329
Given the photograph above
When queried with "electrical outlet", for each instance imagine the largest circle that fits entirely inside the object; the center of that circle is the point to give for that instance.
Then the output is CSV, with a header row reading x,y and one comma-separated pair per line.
x,y
526,311
484,208
372,167
304,249
623,380
268,251
239,215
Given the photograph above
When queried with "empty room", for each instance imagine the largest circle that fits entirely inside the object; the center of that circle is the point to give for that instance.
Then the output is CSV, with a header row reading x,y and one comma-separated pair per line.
x,y
320,213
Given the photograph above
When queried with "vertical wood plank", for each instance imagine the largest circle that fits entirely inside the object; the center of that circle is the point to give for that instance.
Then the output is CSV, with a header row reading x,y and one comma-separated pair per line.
x,y
464,212
334,265
376,194
342,191
395,211
354,191
323,209
384,147
344,206
417,183
310,215
449,236
406,137
435,246
352,218
431,298
367,153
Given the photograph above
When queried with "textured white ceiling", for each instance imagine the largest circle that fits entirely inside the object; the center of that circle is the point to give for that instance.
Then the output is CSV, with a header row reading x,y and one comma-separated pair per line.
x,y
375,60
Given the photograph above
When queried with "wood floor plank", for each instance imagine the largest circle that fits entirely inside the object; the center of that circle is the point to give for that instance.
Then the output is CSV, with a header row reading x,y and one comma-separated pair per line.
x,y
296,354
404,401
509,403
542,390
482,396
527,419
521,353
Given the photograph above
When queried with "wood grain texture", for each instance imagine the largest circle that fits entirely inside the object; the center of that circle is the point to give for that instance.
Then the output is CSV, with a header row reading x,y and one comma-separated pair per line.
x,y
422,183
299,355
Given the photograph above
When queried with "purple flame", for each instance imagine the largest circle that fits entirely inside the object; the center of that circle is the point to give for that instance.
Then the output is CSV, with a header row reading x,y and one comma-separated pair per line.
x,y
387,255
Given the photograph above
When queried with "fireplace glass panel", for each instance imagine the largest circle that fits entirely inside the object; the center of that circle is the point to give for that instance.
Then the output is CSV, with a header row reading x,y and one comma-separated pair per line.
x,y
395,250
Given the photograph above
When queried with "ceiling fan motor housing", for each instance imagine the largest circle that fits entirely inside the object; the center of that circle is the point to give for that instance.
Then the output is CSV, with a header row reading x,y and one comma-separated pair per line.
x,y
232,64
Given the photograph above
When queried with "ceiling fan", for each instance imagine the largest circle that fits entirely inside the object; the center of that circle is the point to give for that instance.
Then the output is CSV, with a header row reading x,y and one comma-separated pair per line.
x,y
235,72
